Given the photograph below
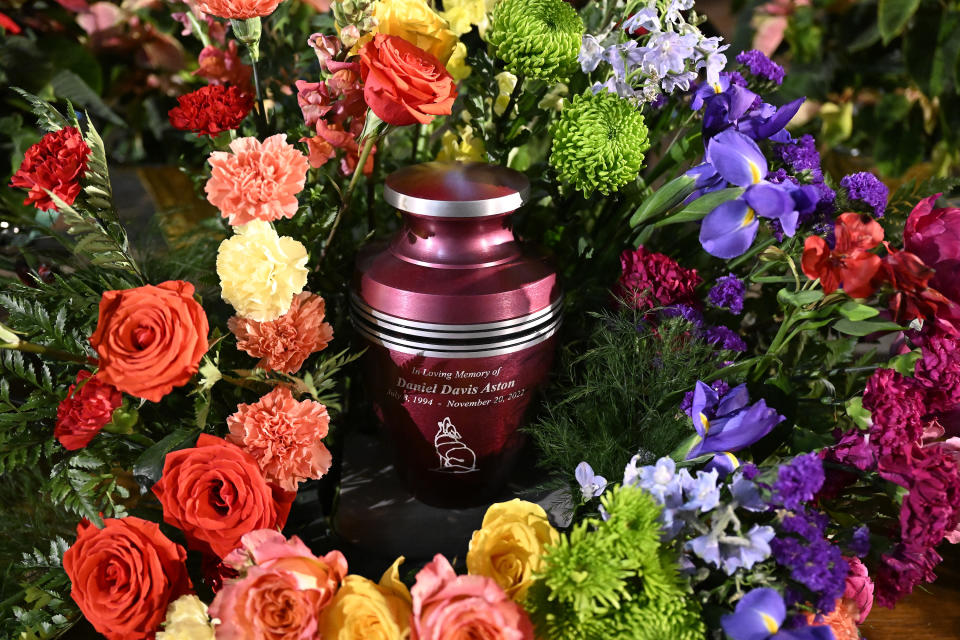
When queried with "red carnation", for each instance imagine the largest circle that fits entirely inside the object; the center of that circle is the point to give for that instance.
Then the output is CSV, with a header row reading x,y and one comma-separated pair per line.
x,y
211,110
55,164
87,408
651,280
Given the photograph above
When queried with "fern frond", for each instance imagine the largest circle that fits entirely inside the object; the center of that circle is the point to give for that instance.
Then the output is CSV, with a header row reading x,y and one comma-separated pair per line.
x,y
48,118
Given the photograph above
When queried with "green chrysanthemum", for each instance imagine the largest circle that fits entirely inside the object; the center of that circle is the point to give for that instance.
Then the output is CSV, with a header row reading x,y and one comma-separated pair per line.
x,y
537,38
598,142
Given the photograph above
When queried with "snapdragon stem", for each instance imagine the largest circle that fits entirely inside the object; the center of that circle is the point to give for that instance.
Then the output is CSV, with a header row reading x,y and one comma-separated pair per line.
x,y
348,193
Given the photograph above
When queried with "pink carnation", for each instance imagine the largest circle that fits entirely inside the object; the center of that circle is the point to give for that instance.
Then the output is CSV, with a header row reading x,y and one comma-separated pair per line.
x,y
938,371
239,9
283,435
451,607
285,343
652,280
897,407
901,570
257,181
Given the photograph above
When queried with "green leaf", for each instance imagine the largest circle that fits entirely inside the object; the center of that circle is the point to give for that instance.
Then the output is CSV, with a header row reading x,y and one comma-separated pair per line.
x,y
149,466
702,206
69,85
905,363
865,328
799,298
855,311
663,199
893,15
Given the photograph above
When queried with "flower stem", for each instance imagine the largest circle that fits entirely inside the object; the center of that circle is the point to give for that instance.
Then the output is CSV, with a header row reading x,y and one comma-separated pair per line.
x,y
261,108
55,354
348,193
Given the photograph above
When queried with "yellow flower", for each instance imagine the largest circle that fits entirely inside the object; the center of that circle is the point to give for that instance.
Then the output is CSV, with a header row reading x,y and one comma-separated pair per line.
x,y
457,64
187,620
463,14
418,24
363,610
461,148
506,82
554,99
260,271
509,545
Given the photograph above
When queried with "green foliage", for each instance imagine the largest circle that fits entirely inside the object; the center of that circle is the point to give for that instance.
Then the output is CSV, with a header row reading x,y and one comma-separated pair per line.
x,y
622,396
49,610
613,580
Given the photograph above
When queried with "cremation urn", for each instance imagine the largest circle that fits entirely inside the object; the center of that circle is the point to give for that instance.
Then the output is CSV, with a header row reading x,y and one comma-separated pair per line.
x,y
459,320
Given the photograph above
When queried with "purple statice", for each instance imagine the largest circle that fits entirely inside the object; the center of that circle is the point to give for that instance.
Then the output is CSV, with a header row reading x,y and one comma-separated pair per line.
x,y
719,386
866,188
725,338
813,560
727,293
798,481
687,312
801,155
860,542
761,66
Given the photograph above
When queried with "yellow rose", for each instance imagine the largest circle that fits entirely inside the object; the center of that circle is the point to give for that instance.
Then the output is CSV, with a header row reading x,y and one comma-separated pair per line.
x,y
509,545
187,620
260,271
363,610
418,24
463,14
461,148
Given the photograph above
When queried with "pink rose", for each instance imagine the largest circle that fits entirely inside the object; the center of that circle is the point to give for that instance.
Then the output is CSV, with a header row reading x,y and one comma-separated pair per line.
x,y
934,236
281,591
451,607
859,588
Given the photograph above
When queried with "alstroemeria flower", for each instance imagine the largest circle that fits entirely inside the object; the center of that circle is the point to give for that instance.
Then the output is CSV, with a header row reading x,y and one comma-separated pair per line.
x,y
913,297
759,616
728,423
849,263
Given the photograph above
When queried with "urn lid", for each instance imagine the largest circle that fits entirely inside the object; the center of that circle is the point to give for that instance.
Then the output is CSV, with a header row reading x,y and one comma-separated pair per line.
x,y
456,190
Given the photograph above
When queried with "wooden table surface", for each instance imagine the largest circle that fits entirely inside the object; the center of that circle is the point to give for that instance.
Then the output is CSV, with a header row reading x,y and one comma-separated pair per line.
x,y
931,613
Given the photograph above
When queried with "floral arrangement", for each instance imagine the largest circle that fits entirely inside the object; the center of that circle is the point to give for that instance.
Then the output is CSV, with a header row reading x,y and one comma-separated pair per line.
x,y
754,423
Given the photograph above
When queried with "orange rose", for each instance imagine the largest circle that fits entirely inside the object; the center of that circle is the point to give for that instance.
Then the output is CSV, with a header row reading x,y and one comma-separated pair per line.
x,y
125,575
404,84
215,494
150,339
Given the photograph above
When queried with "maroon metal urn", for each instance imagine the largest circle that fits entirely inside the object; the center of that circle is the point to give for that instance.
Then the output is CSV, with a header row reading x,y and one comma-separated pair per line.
x,y
460,321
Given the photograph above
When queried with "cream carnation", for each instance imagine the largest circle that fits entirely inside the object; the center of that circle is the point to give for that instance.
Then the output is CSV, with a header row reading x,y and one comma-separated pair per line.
x,y
283,344
260,271
283,435
187,619
257,181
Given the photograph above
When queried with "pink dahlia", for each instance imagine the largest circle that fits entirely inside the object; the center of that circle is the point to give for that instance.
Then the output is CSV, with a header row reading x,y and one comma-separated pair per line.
x,y
284,436
652,280
285,343
257,181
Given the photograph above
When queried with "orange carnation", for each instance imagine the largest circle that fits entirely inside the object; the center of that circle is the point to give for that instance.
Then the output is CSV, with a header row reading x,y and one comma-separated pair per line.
x,y
257,181
284,436
285,343
150,339
239,9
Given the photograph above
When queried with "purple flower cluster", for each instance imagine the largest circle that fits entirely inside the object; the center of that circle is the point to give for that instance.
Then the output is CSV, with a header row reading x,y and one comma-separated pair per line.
x,y
728,293
866,188
813,560
801,155
798,481
860,542
725,338
761,66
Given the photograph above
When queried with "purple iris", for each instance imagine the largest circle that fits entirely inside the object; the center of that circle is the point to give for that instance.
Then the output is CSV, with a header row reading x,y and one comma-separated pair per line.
x,y
734,106
728,423
724,463
729,230
760,614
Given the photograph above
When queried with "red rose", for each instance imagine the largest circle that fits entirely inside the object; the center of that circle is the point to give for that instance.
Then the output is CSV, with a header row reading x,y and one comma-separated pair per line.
x,y
125,575
56,164
150,339
87,408
404,84
215,493
211,110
